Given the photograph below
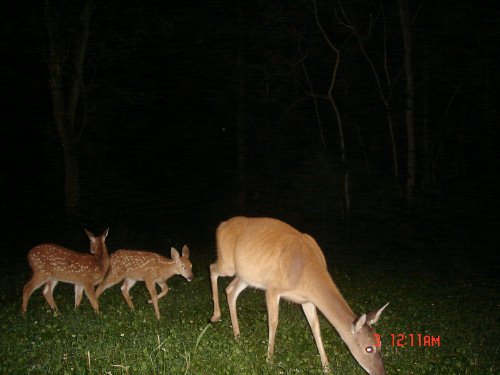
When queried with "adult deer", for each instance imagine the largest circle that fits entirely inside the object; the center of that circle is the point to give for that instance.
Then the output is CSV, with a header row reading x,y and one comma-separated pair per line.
x,y
152,268
269,254
52,263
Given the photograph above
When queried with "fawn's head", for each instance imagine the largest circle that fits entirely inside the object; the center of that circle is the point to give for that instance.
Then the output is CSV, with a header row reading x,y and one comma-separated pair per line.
x,y
182,263
97,243
362,342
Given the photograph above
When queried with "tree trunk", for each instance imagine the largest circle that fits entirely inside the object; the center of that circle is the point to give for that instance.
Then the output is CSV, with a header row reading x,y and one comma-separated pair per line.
x,y
410,93
347,195
241,147
241,157
427,181
66,72
384,92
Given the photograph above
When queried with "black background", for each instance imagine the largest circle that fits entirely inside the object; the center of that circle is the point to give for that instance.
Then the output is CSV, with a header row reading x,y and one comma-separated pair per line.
x,y
172,87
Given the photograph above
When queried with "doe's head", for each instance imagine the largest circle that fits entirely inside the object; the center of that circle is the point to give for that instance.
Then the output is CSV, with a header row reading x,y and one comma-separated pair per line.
x,y
362,342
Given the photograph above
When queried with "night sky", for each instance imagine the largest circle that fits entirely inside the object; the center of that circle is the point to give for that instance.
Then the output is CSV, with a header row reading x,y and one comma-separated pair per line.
x,y
193,112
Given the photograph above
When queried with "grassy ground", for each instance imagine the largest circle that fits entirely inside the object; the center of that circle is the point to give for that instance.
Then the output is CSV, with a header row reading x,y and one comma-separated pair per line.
x,y
463,314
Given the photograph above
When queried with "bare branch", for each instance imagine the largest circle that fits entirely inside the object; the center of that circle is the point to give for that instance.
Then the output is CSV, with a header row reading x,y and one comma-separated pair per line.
x,y
316,108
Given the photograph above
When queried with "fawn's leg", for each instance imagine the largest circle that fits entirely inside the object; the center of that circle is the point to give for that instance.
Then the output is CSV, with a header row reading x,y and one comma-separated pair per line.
x,y
33,284
48,289
90,292
164,290
126,286
78,295
150,284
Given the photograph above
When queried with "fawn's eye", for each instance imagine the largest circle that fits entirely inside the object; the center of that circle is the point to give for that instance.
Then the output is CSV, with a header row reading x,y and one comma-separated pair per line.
x,y
369,349
183,266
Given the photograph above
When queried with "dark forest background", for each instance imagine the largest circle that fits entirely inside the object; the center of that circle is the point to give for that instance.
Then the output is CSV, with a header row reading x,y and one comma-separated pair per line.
x,y
160,119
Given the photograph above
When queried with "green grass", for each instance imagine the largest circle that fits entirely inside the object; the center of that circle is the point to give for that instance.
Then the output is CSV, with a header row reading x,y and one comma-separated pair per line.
x,y
121,341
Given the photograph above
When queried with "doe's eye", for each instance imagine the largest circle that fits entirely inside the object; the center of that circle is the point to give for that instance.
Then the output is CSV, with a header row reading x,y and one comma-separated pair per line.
x,y
369,349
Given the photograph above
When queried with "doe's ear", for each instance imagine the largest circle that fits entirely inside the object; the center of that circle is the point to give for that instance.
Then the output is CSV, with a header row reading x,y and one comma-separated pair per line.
x,y
358,324
174,254
185,251
375,315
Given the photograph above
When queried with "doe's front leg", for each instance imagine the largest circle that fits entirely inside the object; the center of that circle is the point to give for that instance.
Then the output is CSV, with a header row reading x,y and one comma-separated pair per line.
x,y
272,302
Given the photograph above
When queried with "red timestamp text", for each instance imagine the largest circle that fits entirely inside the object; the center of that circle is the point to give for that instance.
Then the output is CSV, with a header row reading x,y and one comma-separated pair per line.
x,y
409,339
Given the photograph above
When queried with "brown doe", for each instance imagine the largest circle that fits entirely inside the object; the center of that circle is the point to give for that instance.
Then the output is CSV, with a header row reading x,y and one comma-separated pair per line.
x,y
152,268
269,254
52,263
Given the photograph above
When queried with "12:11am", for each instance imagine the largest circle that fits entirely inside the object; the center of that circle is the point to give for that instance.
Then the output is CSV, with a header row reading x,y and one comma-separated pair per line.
x,y
411,339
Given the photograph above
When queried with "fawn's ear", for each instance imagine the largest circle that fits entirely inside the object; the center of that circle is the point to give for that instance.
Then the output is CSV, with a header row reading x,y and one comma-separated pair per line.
x,y
105,233
89,234
174,254
185,251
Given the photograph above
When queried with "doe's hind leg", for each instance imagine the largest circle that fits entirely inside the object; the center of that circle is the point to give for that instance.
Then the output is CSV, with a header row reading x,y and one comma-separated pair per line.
x,y
232,291
214,274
